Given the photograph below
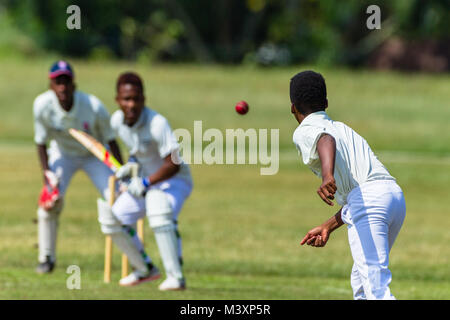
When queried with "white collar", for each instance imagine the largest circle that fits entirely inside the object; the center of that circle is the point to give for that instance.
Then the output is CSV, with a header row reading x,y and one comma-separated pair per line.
x,y
312,117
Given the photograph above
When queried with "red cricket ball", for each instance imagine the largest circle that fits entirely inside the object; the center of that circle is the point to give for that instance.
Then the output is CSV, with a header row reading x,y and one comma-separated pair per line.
x,y
242,107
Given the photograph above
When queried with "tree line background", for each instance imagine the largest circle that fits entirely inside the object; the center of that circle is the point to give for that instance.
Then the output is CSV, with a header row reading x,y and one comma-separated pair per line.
x,y
414,34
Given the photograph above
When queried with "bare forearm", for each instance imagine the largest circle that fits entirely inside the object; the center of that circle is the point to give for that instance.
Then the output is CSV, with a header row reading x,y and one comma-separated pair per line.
x,y
318,236
326,148
334,222
166,171
43,158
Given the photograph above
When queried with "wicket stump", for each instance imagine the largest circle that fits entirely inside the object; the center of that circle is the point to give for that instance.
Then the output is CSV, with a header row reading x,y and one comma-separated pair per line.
x,y
108,240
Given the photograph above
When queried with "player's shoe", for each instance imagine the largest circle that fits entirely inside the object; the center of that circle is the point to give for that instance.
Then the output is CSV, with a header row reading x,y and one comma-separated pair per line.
x,y
45,267
172,284
138,277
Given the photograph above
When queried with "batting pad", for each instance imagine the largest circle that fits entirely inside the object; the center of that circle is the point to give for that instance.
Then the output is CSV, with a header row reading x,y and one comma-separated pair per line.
x,y
120,235
167,242
125,243
160,217
108,222
47,231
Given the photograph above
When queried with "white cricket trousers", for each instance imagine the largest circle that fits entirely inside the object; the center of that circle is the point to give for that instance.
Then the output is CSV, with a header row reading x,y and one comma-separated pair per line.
x,y
374,214
66,166
129,209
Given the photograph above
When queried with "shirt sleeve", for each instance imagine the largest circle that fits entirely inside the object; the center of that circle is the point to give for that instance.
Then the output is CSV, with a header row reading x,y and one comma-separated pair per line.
x,y
104,125
115,121
306,140
40,130
164,137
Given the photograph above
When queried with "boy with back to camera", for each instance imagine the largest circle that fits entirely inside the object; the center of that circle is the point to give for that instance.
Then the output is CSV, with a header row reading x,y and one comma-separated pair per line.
x,y
373,205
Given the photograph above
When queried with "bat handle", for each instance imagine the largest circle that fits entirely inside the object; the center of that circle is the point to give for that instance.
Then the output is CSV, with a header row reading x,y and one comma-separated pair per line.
x,y
134,169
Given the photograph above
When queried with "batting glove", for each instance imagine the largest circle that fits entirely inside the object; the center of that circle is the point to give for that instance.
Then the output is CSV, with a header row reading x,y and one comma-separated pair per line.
x,y
125,170
48,198
50,193
138,186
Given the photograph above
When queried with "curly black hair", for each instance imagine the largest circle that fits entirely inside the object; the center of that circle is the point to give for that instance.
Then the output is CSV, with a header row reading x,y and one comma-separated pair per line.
x,y
130,78
308,92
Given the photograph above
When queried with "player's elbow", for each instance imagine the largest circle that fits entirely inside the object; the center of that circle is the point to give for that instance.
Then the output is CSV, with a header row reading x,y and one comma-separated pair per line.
x,y
175,168
172,167
327,139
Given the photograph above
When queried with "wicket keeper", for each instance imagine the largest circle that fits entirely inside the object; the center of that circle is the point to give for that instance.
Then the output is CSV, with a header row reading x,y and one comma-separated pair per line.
x,y
55,111
373,205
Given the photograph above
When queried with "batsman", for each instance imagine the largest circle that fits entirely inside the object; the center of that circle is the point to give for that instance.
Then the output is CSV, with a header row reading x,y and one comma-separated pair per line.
x,y
55,111
158,192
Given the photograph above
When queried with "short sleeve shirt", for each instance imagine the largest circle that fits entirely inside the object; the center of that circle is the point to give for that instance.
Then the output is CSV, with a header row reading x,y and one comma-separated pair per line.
x,y
51,122
150,140
355,162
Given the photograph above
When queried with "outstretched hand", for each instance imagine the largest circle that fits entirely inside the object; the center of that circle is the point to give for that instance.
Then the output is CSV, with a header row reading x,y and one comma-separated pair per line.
x,y
316,237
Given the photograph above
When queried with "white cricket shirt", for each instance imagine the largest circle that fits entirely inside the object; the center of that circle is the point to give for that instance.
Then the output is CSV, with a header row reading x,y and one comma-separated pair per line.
x,y
150,140
51,122
355,162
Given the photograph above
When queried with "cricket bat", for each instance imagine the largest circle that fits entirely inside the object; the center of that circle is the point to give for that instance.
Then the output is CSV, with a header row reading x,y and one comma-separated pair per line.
x,y
96,148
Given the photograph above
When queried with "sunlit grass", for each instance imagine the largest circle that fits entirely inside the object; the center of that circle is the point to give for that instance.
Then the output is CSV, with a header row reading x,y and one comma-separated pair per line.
x,y
241,230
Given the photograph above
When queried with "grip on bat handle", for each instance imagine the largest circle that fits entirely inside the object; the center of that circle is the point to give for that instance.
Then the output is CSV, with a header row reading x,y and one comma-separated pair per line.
x,y
134,169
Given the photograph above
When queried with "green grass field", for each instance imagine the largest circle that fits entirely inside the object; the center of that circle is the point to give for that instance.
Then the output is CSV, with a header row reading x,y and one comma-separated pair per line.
x,y
241,230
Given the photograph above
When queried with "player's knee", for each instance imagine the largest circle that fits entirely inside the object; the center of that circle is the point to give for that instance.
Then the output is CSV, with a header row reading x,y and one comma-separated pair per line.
x,y
159,210
108,222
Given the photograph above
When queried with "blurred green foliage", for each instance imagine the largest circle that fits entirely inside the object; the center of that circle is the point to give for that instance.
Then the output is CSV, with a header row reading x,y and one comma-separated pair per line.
x,y
232,31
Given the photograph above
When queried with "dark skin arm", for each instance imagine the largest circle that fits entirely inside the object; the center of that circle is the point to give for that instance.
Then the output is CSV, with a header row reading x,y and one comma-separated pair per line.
x,y
326,148
167,170
114,147
43,158
318,236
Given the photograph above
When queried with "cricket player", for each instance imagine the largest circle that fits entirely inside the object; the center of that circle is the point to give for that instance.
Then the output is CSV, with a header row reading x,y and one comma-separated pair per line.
x,y
159,192
373,206
55,111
